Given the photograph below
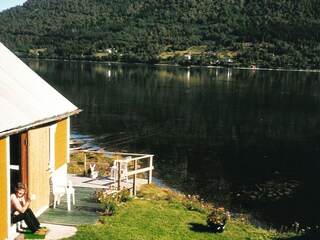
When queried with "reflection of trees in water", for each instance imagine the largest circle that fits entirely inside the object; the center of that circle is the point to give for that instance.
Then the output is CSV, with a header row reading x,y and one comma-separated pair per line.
x,y
213,131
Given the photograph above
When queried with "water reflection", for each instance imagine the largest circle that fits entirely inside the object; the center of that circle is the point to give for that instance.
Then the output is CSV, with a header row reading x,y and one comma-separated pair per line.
x,y
244,139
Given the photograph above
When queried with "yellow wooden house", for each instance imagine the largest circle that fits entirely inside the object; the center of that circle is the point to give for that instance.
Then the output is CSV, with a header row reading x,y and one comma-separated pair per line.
x,y
34,135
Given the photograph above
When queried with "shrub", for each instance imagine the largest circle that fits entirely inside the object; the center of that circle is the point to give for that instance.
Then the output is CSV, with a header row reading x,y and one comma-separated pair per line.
x,y
124,195
110,198
218,216
110,208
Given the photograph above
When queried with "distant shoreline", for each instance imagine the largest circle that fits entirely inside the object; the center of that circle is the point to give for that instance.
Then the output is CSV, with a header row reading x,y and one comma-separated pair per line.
x,y
174,65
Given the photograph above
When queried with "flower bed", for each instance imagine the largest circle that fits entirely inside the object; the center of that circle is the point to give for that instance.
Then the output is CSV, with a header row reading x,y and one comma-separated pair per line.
x,y
217,219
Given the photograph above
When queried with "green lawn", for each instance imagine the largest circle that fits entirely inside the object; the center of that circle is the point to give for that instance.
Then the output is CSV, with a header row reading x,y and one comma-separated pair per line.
x,y
161,215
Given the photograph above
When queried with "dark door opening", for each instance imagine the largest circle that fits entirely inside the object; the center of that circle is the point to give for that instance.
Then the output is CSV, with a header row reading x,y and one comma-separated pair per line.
x,y
18,159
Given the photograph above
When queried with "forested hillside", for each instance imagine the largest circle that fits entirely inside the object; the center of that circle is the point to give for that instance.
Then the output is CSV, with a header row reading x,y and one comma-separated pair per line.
x,y
265,33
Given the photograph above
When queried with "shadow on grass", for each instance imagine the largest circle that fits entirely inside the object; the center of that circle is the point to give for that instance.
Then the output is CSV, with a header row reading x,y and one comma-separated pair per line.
x,y
197,227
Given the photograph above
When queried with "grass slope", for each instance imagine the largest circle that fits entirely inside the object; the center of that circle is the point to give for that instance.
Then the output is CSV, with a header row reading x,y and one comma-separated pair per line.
x,y
162,214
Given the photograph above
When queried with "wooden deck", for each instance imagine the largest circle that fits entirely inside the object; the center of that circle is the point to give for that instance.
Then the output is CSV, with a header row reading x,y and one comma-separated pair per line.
x,y
102,182
86,209
84,212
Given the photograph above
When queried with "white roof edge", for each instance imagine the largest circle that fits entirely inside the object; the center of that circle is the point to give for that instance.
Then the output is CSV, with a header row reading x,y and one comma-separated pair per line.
x,y
25,98
38,123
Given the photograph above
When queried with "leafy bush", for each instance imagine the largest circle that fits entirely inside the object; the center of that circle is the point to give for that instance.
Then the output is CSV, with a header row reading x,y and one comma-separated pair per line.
x,y
110,208
218,216
110,198
124,195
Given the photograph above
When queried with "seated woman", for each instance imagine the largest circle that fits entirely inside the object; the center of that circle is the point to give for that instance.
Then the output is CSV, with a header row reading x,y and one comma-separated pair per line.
x,y
20,210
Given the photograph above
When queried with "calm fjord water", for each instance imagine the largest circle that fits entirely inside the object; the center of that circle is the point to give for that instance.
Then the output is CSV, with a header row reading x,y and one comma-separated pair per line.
x,y
245,139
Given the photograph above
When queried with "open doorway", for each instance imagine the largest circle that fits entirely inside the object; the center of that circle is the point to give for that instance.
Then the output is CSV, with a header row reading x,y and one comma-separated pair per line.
x,y
18,159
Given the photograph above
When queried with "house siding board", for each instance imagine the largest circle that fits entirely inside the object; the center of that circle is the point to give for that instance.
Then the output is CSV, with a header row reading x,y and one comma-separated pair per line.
x,y
61,143
3,193
38,164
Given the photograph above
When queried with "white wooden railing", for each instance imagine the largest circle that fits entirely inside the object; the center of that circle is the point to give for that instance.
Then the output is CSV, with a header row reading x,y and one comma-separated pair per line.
x,y
133,161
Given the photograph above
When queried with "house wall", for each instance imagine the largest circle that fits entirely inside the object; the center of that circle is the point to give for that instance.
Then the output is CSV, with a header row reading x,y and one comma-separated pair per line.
x,y
44,144
38,166
40,143
61,143
4,193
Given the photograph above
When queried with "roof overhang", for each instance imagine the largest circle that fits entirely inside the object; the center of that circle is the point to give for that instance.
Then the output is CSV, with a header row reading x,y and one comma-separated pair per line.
x,y
27,100
38,123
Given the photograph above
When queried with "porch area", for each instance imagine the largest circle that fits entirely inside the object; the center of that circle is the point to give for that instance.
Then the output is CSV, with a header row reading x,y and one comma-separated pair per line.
x,y
62,223
85,211
111,169
86,208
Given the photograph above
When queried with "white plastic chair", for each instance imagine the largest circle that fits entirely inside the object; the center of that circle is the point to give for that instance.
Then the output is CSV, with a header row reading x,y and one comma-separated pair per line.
x,y
93,173
61,188
123,169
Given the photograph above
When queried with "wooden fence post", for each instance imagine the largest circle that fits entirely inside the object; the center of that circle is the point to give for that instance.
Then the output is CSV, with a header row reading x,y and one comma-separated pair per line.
x,y
134,191
85,164
119,175
150,171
